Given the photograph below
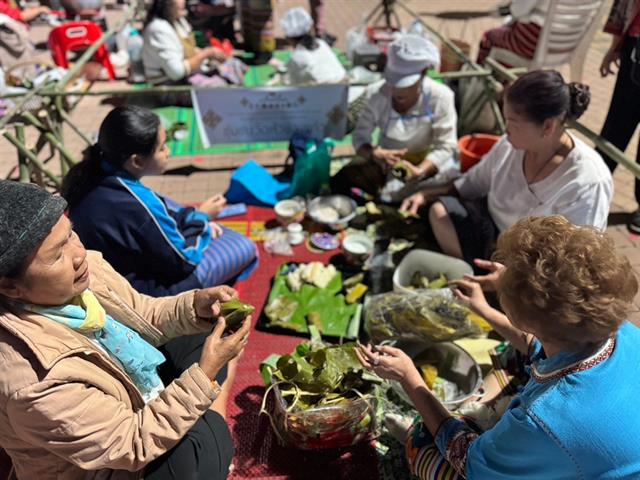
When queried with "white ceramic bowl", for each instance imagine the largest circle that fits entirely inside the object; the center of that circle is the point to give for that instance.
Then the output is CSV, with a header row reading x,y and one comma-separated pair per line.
x,y
357,247
429,263
289,211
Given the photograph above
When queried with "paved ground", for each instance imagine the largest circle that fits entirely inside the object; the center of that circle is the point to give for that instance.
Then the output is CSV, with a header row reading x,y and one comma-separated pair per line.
x,y
342,15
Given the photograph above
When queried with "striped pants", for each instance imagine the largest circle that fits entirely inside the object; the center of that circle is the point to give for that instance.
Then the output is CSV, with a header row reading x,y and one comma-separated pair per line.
x,y
520,38
424,459
229,256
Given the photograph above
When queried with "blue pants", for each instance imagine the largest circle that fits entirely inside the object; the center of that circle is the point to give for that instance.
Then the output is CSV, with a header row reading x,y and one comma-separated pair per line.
x,y
229,256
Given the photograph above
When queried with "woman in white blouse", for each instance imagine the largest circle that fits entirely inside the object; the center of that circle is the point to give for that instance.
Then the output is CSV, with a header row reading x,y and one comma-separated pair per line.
x,y
169,53
312,61
537,168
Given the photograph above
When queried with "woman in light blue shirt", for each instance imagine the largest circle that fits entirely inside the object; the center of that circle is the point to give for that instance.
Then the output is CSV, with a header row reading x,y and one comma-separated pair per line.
x,y
566,293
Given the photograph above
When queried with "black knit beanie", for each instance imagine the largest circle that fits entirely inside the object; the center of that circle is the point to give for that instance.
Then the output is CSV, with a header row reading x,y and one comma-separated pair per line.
x,y
27,215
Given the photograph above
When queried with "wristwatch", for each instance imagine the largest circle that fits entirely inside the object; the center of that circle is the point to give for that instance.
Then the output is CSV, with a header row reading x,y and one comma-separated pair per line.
x,y
215,386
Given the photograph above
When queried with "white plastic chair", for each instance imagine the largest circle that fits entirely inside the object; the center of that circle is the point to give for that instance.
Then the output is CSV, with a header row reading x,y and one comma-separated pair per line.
x,y
564,38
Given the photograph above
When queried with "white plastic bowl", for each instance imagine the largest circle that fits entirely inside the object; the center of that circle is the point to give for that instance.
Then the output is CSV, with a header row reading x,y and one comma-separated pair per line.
x,y
429,263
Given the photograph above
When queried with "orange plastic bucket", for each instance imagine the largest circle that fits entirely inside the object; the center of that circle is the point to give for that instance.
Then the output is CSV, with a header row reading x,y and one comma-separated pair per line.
x,y
473,147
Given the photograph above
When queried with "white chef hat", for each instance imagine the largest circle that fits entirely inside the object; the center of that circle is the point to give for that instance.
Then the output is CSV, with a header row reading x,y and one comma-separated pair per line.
x,y
296,22
407,57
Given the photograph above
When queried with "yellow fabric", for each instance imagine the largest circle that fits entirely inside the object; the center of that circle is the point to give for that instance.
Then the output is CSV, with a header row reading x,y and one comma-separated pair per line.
x,y
96,316
478,348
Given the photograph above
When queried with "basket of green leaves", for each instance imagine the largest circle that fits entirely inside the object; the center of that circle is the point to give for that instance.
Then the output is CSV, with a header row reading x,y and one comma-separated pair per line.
x,y
323,398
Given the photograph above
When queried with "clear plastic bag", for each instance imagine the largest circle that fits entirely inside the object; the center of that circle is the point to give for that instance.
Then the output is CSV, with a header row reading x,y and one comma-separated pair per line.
x,y
430,317
276,242
336,426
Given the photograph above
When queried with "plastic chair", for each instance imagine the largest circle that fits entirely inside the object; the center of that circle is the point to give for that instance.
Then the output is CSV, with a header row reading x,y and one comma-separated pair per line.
x,y
74,36
564,38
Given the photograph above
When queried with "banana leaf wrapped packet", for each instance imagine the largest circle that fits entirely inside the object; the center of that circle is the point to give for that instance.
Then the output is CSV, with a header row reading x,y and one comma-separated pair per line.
x,y
234,312
425,318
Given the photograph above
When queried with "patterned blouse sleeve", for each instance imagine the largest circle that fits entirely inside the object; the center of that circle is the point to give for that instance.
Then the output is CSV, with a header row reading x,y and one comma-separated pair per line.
x,y
453,439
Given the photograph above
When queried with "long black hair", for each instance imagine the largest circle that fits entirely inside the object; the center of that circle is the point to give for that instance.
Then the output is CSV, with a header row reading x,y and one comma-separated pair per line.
x,y
124,132
159,9
543,94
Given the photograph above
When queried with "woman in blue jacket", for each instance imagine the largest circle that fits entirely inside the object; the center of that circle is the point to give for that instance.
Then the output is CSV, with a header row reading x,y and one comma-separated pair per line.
x,y
161,247
566,293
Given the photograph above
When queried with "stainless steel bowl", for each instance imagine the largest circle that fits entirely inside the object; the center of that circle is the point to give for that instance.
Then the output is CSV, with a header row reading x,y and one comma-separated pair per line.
x,y
454,363
344,205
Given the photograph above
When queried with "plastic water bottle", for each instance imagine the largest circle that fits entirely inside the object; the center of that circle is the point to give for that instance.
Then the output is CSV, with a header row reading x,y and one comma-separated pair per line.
x,y
134,49
416,28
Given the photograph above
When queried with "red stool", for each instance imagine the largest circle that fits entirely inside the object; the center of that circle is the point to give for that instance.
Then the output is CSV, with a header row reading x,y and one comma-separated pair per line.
x,y
74,36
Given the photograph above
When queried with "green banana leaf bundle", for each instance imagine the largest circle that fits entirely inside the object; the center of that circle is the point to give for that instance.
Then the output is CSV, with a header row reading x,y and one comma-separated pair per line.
x,y
234,312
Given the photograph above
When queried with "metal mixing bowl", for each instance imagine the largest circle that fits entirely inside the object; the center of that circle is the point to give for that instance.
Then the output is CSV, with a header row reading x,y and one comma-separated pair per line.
x,y
454,363
344,205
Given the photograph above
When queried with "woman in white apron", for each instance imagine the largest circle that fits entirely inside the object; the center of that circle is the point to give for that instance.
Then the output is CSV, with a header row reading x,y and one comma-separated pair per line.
x,y
415,116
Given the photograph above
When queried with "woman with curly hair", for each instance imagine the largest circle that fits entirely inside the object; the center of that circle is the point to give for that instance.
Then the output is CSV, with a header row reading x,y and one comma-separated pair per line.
x,y
537,168
566,293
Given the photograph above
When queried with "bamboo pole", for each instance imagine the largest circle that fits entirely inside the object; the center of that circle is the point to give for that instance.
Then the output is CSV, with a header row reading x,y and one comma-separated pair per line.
x,y
607,148
68,157
22,160
33,159
66,118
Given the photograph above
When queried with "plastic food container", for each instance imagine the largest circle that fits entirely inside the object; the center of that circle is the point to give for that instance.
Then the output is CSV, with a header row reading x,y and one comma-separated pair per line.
x,y
431,264
289,211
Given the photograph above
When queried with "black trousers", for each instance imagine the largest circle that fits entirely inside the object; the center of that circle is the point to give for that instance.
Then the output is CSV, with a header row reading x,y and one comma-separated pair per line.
x,y
206,451
624,110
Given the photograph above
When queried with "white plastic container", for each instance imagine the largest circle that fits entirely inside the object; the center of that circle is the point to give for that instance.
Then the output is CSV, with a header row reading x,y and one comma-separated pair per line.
x,y
295,233
432,264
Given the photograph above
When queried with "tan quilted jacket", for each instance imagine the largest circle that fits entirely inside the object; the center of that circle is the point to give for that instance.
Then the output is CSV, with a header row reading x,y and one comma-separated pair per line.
x,y
68,412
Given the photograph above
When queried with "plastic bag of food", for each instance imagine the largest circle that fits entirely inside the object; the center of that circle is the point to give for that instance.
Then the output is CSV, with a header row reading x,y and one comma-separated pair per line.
x,y
424,318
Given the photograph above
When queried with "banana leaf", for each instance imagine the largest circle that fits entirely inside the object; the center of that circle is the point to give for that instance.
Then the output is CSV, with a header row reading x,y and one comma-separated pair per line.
x,y
321,374
329,304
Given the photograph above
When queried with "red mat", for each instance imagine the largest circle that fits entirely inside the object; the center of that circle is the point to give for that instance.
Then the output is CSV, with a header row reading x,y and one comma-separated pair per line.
x,y
258,455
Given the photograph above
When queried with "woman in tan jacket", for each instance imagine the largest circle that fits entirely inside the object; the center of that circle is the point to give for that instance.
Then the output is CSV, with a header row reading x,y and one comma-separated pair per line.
x,y
84,392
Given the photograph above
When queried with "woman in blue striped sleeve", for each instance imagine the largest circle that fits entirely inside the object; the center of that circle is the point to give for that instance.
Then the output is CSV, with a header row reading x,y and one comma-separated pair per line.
x,y
161,247
566,293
